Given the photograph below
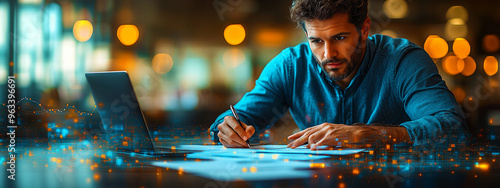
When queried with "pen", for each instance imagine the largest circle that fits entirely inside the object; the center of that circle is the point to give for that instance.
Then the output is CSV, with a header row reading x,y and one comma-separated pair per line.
x,y
238,119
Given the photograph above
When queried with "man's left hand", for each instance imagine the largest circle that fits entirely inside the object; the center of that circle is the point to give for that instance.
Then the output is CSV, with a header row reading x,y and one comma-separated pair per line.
x,y
328,134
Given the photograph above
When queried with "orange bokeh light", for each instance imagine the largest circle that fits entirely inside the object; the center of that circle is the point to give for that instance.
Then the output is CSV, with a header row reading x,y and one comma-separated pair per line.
x,y
82,30
234,34
452,65
490,65
469,66
461,48
491,43
127,34
436,46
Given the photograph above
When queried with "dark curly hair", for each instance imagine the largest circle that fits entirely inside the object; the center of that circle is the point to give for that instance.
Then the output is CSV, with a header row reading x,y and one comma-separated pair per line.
x,y
303,10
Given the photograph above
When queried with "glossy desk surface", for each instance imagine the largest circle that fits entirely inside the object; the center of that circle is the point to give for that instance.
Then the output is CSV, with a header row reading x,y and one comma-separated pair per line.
x,y
63,150
88,163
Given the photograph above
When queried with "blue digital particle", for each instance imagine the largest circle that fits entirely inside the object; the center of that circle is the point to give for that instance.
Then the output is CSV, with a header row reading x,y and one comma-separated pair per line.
x,y
119,161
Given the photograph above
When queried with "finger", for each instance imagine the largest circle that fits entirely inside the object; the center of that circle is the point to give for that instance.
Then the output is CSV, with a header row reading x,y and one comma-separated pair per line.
x,y
326,141
313,138
250,130
231,121
229,143
297,134
319,143
300,141
230,134
224,143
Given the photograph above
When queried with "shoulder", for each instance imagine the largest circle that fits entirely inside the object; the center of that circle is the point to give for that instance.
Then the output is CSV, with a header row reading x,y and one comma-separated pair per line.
x,y
300,51
392,46
400,52
292,57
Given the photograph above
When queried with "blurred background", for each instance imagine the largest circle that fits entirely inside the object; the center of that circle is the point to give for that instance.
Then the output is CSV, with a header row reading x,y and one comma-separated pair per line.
x,y
188,60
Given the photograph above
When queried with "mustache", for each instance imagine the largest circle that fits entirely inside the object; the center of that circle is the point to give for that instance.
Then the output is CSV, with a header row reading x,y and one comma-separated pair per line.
x,y
326,61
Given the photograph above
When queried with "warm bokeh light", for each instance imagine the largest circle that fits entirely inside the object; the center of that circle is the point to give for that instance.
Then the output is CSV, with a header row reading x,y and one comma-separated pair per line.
x,y
127,34
491,43
459,94
233,57
82,30
436,46
126,61
390,33
455,28
490,65
162,63
483,166
469,66
253,169
271,37
461,48
450,65
234,34
460,65
395,9
457,12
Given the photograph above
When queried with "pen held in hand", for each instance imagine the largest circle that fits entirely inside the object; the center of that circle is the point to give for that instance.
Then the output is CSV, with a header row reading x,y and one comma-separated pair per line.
x,y
235,114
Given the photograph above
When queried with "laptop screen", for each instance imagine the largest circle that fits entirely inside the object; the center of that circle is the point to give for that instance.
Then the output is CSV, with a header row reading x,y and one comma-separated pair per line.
x,y
120,112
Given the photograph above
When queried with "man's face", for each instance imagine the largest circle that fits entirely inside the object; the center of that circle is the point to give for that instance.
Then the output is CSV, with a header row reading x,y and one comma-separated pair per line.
x,y
336,45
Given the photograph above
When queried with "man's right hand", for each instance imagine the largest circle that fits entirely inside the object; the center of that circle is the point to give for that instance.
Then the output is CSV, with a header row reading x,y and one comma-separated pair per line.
x,y
232,135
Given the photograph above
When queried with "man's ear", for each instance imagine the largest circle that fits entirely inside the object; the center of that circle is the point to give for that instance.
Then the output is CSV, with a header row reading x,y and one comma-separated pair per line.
x,y
366,27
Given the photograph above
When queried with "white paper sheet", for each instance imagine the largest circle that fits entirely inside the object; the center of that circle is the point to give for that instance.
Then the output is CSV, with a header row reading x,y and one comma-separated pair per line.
x,y
261,162
277,149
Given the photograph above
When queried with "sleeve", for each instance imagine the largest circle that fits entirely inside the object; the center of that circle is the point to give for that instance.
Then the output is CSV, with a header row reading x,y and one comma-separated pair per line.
x,y
259,106
436,116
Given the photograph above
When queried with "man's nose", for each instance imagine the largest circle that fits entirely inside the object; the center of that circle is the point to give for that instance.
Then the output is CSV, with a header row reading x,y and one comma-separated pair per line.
x,y
330,51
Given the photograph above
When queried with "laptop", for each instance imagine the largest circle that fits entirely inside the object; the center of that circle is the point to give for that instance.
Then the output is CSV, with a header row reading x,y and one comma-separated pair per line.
x,y
121,115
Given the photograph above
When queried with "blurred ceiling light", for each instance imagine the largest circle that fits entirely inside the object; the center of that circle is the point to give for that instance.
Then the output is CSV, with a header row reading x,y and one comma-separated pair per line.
x,y
162,63
469,66
395,9
459,94
457,12
490,65
234,34
455,28
127,34
233,57
491,43
82,30
461,48
450,65
390,33
435,46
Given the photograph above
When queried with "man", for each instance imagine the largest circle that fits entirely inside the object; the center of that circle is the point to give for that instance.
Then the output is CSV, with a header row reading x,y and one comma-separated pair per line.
x,y
344,87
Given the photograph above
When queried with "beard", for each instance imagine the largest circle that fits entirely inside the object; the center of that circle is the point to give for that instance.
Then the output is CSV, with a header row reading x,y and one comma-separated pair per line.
x,y
336,74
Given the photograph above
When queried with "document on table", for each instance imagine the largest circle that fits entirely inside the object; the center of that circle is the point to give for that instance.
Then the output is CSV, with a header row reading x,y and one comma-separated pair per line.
x,y
273,149
260,162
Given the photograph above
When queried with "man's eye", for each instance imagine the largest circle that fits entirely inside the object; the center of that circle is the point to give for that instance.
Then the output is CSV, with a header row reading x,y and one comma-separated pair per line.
x,y
340,38
317,41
